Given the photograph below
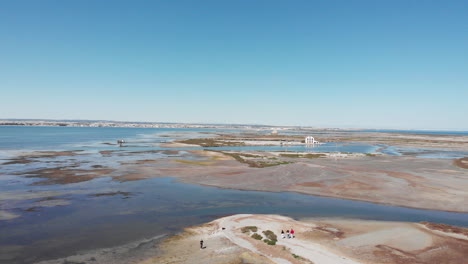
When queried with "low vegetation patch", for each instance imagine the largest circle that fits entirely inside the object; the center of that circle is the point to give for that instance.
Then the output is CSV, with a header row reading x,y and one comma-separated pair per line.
x,y
240,157
256,137
247,229
446,228
307,156
270,235
270,242
210,142
297,256
257,236
195,162
263,164
271,238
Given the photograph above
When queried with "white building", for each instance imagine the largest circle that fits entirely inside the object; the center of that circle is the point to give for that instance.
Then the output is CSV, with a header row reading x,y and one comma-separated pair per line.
x,y
310,140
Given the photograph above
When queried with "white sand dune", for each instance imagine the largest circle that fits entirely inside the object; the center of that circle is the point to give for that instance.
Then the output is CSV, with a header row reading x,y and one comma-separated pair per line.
x,y
305,249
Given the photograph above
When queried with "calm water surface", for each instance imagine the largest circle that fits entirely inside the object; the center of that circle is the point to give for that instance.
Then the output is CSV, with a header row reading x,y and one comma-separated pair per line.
x,y
163,206
151,207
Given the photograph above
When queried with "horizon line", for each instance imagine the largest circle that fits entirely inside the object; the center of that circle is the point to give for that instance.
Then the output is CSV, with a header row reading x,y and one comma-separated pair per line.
x,y
232,124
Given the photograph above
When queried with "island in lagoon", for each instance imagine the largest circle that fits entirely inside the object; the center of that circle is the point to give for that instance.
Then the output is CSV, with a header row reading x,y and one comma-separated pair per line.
x,y
353,197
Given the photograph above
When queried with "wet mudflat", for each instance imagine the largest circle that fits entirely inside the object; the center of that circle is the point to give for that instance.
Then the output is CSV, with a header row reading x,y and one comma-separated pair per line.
x,y
143,209
59,200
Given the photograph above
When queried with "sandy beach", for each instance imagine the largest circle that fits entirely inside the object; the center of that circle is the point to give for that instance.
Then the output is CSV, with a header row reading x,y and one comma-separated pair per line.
x,y
324,241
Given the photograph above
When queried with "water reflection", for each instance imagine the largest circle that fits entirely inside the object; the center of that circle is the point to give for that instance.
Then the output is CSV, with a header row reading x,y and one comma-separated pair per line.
x,y
160,205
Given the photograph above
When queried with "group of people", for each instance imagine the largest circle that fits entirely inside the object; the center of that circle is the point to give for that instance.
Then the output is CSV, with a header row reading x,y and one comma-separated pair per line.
x,y
289,234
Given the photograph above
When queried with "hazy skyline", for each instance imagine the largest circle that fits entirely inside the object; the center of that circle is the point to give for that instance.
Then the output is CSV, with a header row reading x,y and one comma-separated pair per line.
x,y
382,64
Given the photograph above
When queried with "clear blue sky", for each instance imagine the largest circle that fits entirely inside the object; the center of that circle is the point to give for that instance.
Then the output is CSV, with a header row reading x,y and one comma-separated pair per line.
x,y
376,63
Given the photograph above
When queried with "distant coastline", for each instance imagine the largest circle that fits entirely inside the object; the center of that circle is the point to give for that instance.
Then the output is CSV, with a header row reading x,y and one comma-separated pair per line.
x,y
128,124
120,124
106,123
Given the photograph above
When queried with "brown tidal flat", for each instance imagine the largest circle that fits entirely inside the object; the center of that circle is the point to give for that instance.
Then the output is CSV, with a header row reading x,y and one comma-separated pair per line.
x,y
453,142
462,163
129,176
403,181
51,154
437,184
145,161
18,161
65,175
446,228
124,194
25,158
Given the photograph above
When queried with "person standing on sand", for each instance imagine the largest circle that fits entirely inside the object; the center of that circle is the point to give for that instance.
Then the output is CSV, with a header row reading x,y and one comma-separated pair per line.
x,y
282,234
287,232
292,233
201,244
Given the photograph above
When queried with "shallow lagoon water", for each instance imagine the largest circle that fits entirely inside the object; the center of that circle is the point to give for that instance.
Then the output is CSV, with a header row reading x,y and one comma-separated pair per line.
x,y
153,206
163,206
92,139
426,132
427,153
326,147
70,138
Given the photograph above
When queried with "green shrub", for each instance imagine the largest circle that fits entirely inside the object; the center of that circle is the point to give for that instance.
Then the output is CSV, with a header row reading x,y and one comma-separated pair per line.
x,y
297,257
270,235
210,142
299,155
270,242
257,236
247,229
240,157
314,156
